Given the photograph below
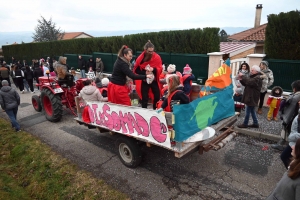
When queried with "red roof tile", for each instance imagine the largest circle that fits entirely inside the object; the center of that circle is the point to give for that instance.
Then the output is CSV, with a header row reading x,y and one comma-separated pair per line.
x,y
72,35
253,34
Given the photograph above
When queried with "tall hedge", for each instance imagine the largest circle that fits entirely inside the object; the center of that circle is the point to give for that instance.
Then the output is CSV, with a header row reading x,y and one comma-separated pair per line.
x,y
283,36
193,41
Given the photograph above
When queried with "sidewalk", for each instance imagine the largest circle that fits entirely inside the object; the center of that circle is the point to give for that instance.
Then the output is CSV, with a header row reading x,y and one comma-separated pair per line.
x,y
267,129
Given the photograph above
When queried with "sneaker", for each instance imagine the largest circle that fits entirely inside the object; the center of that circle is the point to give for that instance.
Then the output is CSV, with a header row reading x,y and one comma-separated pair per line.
x,y
277,146
18,130
33,92
254,126
242,126
22,91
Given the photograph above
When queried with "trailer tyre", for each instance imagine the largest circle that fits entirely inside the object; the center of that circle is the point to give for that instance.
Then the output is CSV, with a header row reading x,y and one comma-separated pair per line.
x,y
129,151
36,102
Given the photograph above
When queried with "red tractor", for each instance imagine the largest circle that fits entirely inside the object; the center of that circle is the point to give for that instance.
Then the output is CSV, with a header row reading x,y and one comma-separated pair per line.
x,y
55,94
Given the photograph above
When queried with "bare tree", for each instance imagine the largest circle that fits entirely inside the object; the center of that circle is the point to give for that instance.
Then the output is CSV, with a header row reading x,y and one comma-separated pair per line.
x,y
46,31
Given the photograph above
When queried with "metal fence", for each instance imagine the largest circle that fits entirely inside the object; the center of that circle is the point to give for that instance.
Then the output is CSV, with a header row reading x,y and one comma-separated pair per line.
x,y
285,72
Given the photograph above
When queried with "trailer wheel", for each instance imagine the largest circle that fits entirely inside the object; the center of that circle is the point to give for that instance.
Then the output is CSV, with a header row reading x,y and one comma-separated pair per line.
x,y
36,103
129,151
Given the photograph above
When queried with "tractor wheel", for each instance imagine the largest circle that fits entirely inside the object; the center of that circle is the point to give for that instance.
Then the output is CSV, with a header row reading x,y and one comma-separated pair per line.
x,y
52,105
36,102
129,151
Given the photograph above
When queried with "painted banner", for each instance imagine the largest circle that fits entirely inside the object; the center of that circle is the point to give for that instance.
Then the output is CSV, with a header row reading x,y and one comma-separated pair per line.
x,y
202,112
132,121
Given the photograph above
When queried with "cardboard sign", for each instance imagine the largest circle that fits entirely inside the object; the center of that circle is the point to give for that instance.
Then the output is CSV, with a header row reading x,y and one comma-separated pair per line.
x,y
133,121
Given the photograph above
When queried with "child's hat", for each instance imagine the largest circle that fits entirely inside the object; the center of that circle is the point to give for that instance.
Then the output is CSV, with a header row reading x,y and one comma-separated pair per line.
x,y
187,69
265,63
105,81
171,68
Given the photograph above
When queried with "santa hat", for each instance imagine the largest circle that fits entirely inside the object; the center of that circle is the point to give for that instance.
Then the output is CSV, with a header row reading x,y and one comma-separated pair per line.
x,y
187,69
105,81
171,68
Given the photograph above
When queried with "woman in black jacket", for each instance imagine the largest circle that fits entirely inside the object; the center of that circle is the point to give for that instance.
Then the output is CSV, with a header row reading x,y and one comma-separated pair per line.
x,y
28,73
118,92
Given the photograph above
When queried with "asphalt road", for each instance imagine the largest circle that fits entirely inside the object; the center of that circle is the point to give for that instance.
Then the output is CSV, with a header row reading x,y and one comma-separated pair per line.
x,y
241,170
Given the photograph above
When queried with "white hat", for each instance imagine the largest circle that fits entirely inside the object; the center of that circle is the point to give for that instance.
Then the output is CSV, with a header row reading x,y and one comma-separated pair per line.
x,y
105,81
171,68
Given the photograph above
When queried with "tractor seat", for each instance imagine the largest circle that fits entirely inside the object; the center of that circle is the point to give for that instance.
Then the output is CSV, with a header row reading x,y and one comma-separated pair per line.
x,y
67,81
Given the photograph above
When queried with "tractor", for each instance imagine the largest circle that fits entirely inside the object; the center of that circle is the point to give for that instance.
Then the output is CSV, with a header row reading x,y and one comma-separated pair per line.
x,y
55,95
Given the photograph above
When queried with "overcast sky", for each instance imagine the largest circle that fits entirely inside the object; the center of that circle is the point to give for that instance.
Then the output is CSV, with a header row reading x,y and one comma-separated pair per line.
x,y
114,15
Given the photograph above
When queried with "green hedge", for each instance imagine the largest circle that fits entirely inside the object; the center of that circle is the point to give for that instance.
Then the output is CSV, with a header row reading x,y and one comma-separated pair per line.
x,y
193,41
283,36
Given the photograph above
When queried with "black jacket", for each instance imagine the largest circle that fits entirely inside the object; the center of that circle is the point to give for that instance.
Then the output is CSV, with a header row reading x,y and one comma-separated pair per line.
x,y
28,74
38,72
252,84
179,96
91,63
121,70
81,64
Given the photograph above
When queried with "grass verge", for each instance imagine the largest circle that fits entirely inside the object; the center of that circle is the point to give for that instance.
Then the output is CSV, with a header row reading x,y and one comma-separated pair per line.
x,y
29,169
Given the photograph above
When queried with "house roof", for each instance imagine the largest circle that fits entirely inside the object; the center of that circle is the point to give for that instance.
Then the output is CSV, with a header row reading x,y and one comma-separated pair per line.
x,y
235,48
72,35
252,34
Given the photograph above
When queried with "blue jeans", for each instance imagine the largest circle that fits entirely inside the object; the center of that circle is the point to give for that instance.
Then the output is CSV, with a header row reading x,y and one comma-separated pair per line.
x,y
26,84
82,73
250,110
12,114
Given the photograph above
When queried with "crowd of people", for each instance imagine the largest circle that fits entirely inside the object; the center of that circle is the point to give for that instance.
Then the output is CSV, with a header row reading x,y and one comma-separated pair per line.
x,y
162,85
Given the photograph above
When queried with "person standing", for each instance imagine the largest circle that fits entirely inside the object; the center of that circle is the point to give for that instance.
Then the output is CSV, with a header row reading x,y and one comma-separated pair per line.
x,y
4,73
28,73
267,81
91,65
19,74
81,66
118,92
99,67
148,62
288,111
253,85
245,70
9,101
288,188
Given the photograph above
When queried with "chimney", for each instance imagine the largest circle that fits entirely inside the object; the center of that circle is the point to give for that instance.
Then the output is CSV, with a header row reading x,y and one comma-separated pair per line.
x,y
257,15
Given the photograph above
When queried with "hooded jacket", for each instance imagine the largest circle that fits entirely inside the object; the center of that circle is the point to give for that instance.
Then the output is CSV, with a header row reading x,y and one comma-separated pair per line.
x,y
91,93
61,68
91,63
9,98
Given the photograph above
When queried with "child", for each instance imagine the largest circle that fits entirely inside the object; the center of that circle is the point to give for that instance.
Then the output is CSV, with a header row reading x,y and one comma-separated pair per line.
x,y
187,79
105,82
274,102
91,74
237,97
245,70
175,94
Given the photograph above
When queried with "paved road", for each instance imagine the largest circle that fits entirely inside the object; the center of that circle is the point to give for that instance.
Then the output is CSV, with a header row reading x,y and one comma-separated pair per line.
x,y
241,170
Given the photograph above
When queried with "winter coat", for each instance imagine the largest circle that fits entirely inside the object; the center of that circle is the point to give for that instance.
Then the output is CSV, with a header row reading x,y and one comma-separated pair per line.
x,y
267,80
252,85
290,108
178,96
28,74
276,96
91,63
121,70
237,82
4,72
9,98
286,189
187,80
38,72
99,65
294,135
91,93
61,68
81,64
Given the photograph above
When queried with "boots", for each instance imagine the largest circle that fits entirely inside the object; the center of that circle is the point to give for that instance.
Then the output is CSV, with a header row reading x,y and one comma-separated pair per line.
x,y
259,111
280,145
